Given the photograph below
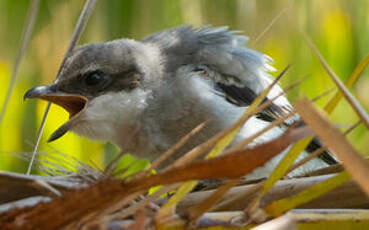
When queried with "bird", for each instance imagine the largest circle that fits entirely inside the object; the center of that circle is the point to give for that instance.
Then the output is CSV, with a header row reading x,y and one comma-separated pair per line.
x,y
144,96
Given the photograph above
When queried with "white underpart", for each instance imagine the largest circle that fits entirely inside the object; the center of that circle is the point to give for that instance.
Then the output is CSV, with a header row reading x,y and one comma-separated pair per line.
x,y
229,114
112,116
253,126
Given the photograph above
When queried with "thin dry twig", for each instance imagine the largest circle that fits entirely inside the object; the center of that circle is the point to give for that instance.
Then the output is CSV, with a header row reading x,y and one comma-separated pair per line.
x,y
270,126
270,25
140,221
30,22
81,24
172,150
112,165
78,204
325,93
198,150
349,97
335,140
197,211
124,213
320,150
349,195
220,142
51,190
178,145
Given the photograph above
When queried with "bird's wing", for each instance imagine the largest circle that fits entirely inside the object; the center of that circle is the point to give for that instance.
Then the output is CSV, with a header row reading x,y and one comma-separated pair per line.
x,y
238,73
220,50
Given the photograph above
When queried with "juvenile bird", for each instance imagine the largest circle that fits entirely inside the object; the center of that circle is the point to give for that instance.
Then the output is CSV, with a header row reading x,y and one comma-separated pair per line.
x,y
146,95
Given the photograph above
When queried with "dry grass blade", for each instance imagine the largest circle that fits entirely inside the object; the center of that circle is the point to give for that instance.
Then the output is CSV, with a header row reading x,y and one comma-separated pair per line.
x,y
140,221
51,191
308,158
76,205
30,22
195,212
277,174
270,25
349,83
270,126
320,150
275,123
124,213
283,166
335,140
336,168
213,220
355,105
281,223
252,110
178,145
288,159
279,207
81,24
319,219
113,164
228,204
348,196
17,186
87,10
301,145
117,209
221,141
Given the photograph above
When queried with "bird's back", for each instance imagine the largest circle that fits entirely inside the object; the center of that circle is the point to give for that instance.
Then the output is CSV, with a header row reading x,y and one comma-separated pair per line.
x,y
210,76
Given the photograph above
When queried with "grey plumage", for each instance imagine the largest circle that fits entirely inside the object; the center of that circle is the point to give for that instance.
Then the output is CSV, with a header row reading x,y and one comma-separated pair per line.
x,y
221,51
144,96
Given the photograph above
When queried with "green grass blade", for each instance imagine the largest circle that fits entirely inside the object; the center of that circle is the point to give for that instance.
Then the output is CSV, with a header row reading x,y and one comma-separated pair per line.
x,y
217,149
349,83
279,207
292,155
285,164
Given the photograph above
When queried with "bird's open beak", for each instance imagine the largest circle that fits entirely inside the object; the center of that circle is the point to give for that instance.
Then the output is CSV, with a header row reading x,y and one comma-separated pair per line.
x,y
71,103
74,104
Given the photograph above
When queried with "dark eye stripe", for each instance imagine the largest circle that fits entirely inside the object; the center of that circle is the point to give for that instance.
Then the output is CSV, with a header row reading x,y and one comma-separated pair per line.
x,y
98,82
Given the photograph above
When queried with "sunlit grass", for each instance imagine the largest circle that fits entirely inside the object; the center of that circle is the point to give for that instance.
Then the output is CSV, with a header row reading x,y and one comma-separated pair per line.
x,y
331,24
10,131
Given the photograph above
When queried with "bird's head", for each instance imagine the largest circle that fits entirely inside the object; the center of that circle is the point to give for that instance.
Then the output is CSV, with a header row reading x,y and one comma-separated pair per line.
x,y
102,86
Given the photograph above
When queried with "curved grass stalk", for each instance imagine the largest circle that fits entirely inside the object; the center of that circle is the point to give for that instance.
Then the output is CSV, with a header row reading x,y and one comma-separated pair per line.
x,y
279,207
81,24
168,208
287,161
30,22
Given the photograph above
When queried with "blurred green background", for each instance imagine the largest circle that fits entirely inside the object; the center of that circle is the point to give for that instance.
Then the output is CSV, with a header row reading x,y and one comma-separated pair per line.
x,y
339,29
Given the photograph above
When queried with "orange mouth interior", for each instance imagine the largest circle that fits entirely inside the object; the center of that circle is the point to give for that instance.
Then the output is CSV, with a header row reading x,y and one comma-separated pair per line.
x,y
72,104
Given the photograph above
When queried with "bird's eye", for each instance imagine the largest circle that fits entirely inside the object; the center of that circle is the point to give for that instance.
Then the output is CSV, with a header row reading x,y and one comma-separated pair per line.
x,y
94,78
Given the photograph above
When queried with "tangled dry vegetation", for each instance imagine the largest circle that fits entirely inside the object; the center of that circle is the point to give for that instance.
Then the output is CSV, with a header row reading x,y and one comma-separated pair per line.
x,y
334,197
